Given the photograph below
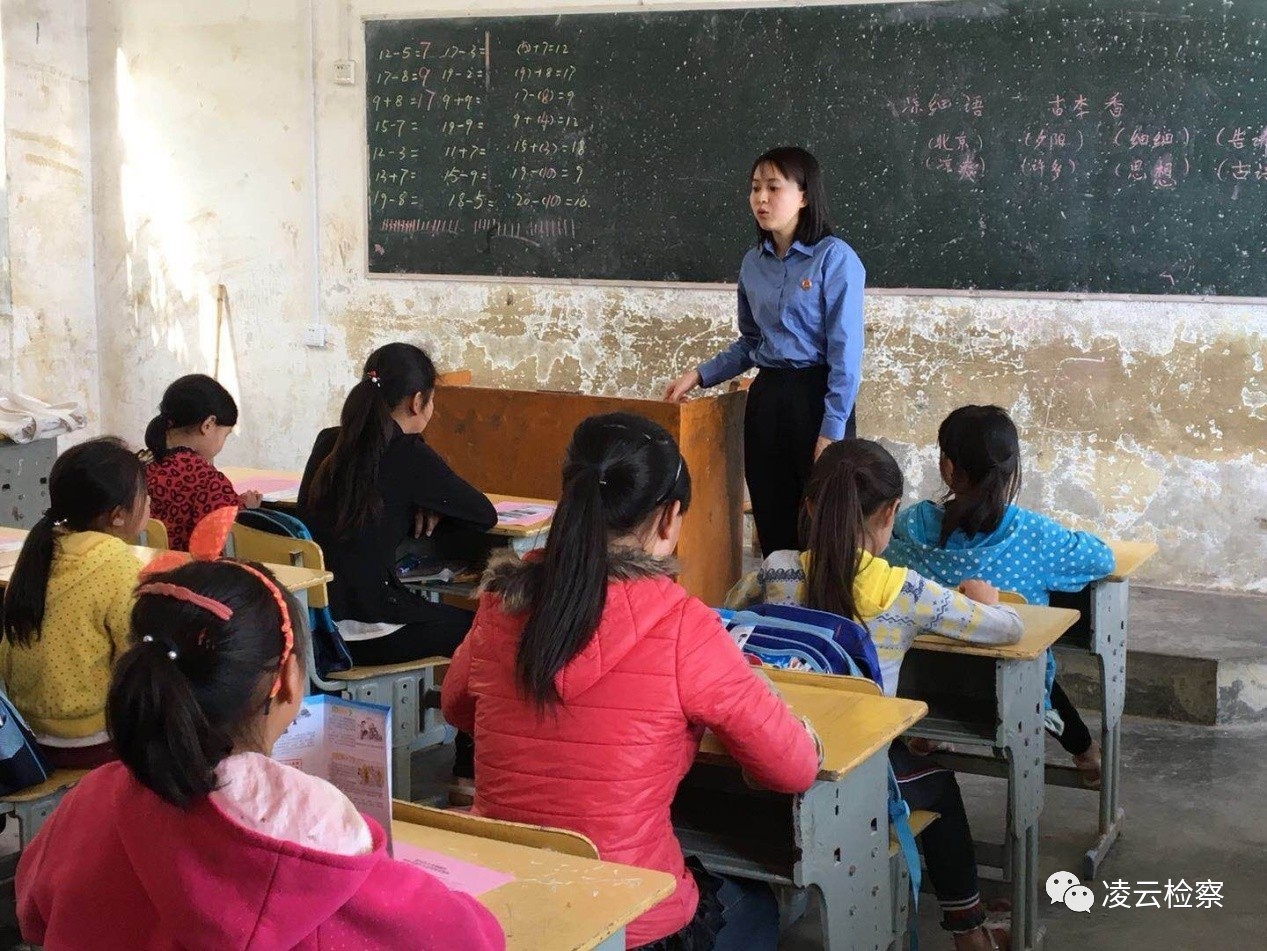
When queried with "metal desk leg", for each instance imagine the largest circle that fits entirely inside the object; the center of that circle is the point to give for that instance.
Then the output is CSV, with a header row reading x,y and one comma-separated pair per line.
x,y
402,692
615,943
1109,606
843,832
1019,686
32,815
1026,932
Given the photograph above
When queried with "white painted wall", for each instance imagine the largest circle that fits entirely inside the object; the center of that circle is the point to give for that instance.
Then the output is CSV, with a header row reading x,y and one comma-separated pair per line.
x,y
47,308
1147,419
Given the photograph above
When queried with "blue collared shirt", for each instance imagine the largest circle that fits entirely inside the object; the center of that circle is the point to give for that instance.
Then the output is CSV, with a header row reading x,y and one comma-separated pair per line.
x,y
802,310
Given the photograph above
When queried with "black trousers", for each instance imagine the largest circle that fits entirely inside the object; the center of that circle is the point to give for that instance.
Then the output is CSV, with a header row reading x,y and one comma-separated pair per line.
x,y
437,636
780,429
1077,738
948,850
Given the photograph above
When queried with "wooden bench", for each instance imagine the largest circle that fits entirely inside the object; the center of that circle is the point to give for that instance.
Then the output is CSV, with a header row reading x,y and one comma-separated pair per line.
x,y
519,833
900,875
154,535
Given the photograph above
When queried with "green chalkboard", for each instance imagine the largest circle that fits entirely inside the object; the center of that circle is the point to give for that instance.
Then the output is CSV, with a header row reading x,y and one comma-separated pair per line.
x,y
1073,145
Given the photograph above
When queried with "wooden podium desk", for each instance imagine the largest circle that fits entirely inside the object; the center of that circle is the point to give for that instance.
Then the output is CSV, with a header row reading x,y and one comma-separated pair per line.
x,y
512,442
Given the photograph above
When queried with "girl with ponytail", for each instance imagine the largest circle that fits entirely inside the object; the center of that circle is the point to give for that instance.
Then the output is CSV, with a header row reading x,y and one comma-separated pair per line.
x,y
371,482
846,521
978,530
66,607
194,419
197,838
590,675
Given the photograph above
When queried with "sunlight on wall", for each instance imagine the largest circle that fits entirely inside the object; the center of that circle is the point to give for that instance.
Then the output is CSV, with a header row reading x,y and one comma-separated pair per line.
x,y
156,215
6,289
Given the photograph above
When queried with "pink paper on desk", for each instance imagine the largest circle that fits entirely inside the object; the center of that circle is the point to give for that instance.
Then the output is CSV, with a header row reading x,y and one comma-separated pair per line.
x,y
456,874
11,538
522,513
266,485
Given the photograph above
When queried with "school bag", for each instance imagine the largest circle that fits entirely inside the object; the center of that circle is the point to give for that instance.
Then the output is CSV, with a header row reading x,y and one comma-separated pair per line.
x,y
21,765
820,641
790,636
329,653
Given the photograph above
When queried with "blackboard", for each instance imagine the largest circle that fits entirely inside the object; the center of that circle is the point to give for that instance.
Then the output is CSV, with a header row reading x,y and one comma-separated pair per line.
x,y
1074,145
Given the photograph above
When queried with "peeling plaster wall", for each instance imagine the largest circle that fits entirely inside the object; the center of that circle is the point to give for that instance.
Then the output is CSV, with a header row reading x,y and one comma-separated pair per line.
x,y
47,302
1143,419
202,140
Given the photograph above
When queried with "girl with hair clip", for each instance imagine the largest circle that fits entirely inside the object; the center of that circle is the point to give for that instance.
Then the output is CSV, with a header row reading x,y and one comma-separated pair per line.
x,y
979,531
194,419
800,324
197,839
66,607
590,675
370,483
850,504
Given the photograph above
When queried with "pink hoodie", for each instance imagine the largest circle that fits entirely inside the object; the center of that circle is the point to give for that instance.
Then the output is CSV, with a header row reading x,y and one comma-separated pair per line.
x,y
115,866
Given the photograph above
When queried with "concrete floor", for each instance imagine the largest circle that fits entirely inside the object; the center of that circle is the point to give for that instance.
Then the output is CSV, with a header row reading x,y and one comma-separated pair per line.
x,y
1195,809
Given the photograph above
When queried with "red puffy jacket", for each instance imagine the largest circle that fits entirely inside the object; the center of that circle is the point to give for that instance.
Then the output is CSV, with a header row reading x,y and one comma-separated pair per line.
x,y
607,759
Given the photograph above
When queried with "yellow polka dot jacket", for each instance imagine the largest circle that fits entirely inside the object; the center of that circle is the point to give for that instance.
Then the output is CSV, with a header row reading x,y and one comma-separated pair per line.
x,y
59,682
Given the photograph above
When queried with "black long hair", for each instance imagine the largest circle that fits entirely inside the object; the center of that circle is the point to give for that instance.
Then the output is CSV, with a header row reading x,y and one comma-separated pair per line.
x,y
87,482
851,481
187,402
802,169
173,719
620,471
982,444
347,479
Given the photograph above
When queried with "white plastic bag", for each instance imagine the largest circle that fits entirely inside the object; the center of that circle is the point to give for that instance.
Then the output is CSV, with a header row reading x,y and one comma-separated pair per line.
x,y
24,418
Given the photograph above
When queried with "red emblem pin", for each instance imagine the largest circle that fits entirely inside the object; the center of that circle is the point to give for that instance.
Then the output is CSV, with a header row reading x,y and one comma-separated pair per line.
x,y
805,284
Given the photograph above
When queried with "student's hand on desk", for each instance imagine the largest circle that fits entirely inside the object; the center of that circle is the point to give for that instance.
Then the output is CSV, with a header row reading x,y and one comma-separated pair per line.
x,y
676,391
980,591
425,523
823,443
251,499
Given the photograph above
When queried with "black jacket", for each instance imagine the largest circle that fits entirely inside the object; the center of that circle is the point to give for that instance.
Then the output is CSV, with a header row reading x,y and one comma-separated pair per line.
x,y
411,476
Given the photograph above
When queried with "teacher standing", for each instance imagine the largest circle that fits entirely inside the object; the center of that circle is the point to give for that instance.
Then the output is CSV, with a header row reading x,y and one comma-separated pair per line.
x,y
800,324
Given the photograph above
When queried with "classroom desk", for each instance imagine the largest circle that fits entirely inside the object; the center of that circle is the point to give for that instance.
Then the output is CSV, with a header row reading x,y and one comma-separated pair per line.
x,y
474,548
278,486
283,491
993,696
834,839
1102,632
295,579
522,538
557,902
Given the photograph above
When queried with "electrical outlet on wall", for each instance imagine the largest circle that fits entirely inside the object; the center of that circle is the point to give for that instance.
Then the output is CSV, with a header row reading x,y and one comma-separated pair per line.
x,y
315,335
345,72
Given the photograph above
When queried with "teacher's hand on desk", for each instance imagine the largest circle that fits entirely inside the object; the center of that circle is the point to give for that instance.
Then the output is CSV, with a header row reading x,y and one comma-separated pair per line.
x,y
676,391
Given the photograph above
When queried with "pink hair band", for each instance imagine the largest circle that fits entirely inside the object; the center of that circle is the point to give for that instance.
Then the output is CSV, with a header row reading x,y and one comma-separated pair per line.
x,y
181,593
